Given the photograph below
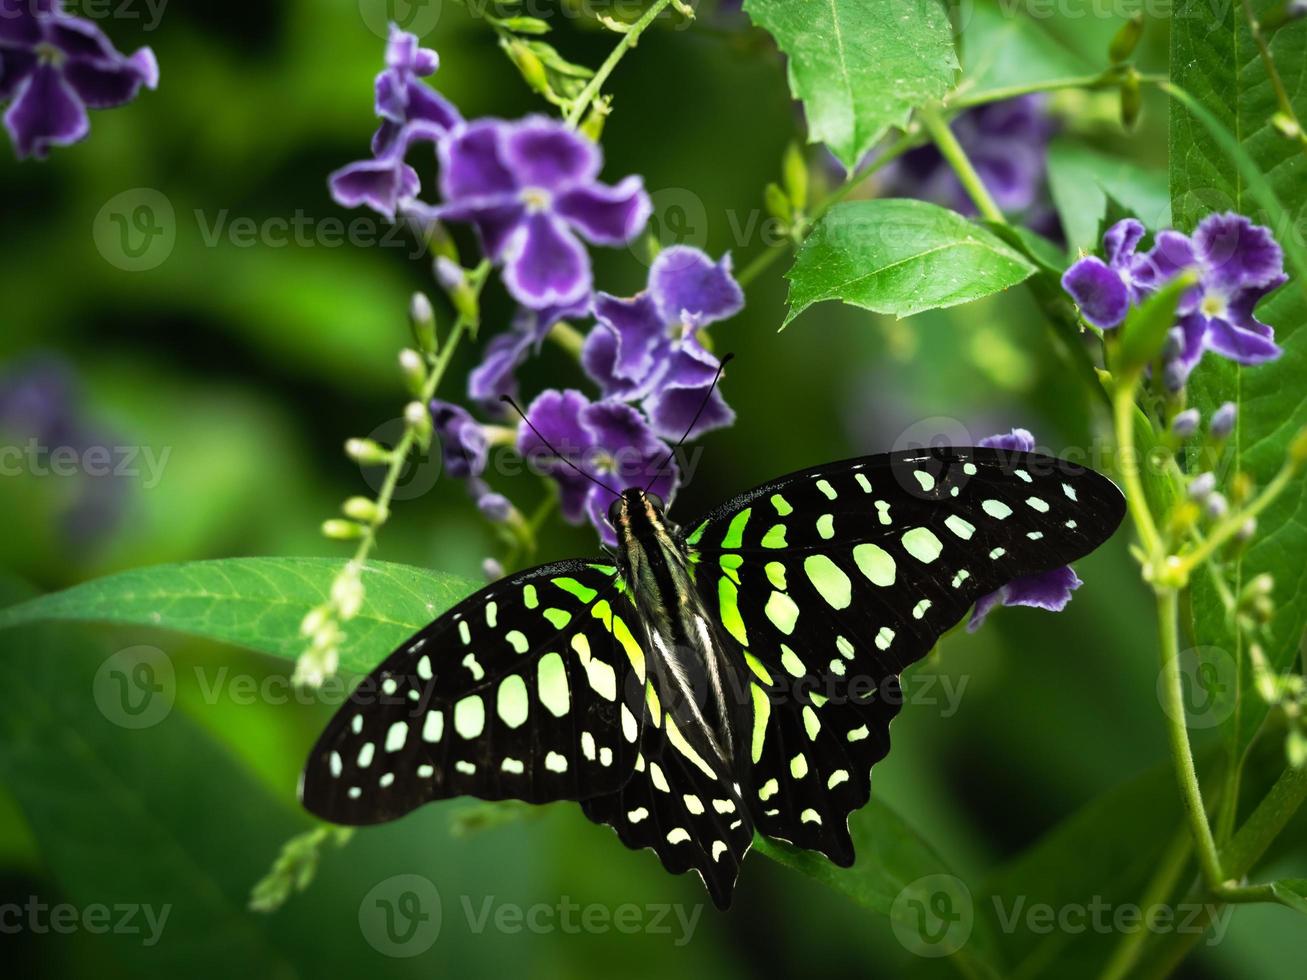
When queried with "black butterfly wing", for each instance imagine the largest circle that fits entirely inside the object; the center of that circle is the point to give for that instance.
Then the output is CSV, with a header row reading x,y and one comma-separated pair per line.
x,y
531,689
834,579
681,804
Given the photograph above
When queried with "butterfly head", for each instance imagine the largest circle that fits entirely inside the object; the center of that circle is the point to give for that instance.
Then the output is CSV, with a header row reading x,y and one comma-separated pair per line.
x,y
637,516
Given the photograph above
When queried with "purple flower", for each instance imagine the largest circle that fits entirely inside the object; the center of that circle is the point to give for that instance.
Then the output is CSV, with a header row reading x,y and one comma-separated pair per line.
x,y
462,439
496,375
1238,263
609,441
1049,590
1007,143
646,348
1105,291
410,112
54,67
529,187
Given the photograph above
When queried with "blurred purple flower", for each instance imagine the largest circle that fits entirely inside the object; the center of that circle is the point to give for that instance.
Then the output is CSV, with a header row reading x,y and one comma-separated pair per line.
x,y
53,67
411,112
1049,590
1007,143
530,187
646,348
496,375
608,440
463,446
1105,291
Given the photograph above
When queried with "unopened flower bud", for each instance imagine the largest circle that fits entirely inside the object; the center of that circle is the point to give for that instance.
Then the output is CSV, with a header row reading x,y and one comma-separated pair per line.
x,y
363,510
1216,506
347,593
1126,39
422,321
1202,485
495,507
1295,748
449,273
366,451
1223,420
315,619
339,530
418,418
1186,423
492,570
778,204
1132,100
414,370
1286,126
1246,530
794,175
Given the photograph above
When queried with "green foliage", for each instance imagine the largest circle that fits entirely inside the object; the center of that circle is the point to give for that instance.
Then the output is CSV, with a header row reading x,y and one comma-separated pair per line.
x,y
1001,48
901,257
1083,180
1218,63
860,66
256,603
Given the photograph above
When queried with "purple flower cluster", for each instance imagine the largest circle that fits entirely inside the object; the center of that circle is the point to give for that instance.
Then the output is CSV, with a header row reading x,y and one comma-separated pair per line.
x,y
531,190
1237,264
1007,143
53,67
1046,590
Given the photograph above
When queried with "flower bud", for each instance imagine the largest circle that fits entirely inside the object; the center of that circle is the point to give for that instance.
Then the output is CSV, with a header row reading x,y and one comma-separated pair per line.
x,y
794,176
339,530
1295,748
1126,39
366,451
530,65
1201,486
422,321
363,510
414,370
1246,530
778,204
492,570
313,621
1216,506
1223,420
1132,100
448,273
418,418
1241,488
1286,126
495,507
1186,423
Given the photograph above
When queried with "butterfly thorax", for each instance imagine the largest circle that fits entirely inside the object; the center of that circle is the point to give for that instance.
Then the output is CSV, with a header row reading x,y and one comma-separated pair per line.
x,y
694,677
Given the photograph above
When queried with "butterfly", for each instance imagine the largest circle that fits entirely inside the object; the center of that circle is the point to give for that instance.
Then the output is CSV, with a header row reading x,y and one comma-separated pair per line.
x,y
703,684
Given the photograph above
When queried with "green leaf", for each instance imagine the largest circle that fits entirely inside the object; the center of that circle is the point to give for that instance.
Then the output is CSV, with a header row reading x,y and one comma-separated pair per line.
x,y
1215,60
1081,181
1146,325
1291,892
1005,48
860,66
899,875
901,257
256,603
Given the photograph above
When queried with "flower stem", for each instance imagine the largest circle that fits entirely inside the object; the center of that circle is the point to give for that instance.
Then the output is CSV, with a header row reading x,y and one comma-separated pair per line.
x,y
1105,79
1273,73
957,158
1231,525
1123,417
628,41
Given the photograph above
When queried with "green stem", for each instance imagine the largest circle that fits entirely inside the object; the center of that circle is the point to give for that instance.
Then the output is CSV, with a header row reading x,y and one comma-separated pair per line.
x,y
957,158
1123,416
1231,525
1273,73
627,42
1181,753
1159,888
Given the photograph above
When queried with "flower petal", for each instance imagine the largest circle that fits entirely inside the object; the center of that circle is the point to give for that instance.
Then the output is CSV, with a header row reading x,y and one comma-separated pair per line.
x,y
606,215
1235,253
20,22
496,375
1098,291
381,185
404,51
545,153
1046,590
683,280
471,166
556,416
1240,344
638,329
672,410
462,439
15,66
544,264
103,86
1017,440
45,112
1120,240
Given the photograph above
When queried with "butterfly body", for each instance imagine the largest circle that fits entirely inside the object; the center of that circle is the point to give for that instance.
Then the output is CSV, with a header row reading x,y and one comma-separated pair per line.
x,y
738,677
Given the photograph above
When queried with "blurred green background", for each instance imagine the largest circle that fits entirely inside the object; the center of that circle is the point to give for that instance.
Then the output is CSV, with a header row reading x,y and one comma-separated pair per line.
x,y
249,365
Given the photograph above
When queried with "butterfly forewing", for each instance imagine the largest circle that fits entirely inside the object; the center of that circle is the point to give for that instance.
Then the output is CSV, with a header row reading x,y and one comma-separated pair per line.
x,y
531,689
832,580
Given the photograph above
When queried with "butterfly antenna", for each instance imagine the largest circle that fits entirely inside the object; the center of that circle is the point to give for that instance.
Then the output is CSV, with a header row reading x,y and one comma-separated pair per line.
x,y
593,479
694,421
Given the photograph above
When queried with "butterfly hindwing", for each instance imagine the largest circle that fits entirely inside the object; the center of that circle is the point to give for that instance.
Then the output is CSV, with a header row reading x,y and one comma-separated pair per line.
x,y
834,579
681,804
531,689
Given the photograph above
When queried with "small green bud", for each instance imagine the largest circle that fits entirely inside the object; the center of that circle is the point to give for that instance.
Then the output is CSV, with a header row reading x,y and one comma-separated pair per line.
x,y
364,511
1241,488
313,621
593,125
530,65
1298,449
1126,39
1286,125
794,176
1295,748
778,203
1132,100
339,530
366,451
418,418
414,370
422,321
